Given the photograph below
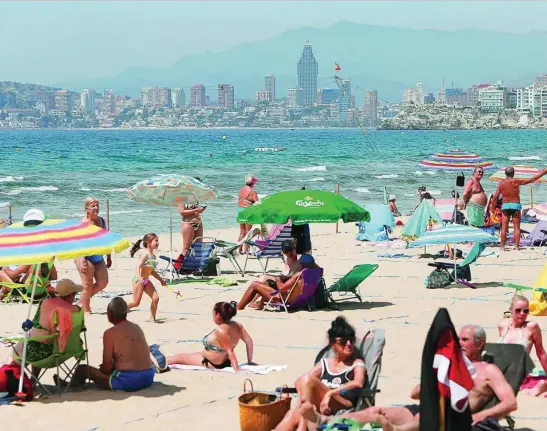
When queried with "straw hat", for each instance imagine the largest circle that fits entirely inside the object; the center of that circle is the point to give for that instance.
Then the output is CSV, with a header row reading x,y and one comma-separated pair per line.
x,y
65,287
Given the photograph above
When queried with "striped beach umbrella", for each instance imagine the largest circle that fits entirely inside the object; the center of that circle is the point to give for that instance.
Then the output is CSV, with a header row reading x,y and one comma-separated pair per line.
x,y
456,156
455,160
453,234
523,172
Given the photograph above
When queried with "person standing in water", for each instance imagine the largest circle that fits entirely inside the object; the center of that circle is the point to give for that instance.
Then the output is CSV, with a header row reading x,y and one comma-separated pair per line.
x,y
475,199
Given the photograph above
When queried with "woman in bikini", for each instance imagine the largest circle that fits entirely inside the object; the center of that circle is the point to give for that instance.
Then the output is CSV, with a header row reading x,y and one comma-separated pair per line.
x,y
146,267
191,224
218,345
335,383
92,267
247,197
518,330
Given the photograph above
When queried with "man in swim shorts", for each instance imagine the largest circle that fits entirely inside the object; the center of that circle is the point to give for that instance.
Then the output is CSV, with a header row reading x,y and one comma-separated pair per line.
x,y
126,357
509,189
475,199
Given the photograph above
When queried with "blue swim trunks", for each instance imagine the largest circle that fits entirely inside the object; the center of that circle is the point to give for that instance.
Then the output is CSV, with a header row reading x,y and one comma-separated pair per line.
x,y
510,208
130,381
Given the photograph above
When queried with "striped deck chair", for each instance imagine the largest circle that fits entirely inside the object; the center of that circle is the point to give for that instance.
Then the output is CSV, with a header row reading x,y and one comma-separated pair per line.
x,y
196,260
271,250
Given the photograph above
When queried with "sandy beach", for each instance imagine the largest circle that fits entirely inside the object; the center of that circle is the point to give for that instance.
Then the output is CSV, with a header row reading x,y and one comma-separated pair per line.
x,y
394,298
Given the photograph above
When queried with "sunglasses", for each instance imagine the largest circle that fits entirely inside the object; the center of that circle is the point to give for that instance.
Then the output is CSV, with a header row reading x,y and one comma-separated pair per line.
x,y
522,310
344,341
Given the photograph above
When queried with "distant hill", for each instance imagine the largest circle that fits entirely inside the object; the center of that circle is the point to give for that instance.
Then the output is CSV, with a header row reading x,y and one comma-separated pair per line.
x,y
386,58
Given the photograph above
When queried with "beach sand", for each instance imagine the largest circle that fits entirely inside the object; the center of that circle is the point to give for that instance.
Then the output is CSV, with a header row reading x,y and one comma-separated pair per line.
x,y
394,298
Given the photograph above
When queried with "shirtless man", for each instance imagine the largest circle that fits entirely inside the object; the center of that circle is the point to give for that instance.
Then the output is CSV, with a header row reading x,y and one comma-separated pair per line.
x,y
475,199
126,357
509,188
489,382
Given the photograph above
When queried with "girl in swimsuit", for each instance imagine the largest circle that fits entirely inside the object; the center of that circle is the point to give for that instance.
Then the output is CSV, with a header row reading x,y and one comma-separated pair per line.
x,y
219,344
145,268
334,383
92,267
518,330
247,197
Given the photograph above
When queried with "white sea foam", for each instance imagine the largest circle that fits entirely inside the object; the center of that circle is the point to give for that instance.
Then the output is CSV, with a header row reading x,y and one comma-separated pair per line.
x,y
434,192
410,194
260,195
115,190
85,189
386,176
524,158
16,192
418,173
362,190
312,168
311,180
76,215
431,172
10,179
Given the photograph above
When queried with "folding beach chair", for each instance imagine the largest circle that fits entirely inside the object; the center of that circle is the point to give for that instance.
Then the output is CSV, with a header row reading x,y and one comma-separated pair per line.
x,y
23,291
196,260
229,251
269,250
348,286
463,270
310,280
369,347
75,349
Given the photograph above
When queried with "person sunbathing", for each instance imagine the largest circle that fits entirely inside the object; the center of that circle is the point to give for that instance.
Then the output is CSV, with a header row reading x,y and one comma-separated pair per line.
x,y
218,345
126,359
488,379
333,384
281,283
518,330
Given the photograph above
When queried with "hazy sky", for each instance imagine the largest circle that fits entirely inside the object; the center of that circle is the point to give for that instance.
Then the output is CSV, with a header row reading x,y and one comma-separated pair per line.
x,y
46,42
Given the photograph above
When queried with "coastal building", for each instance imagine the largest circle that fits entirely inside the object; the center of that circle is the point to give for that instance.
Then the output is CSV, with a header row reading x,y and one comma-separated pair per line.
x,y
370,107
197,95
296,97
456,96
156,97
494,98
473,95
207,100
532,100
410,95
330,96
63,101
429,98
420,93
269,85
147,96
87,100
307,70
263,96
178,98
541,80
226,96
108,106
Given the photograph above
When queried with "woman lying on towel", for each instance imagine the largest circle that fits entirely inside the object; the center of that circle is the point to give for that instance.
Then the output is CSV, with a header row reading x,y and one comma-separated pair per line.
x,y
518,330
334,384
218,345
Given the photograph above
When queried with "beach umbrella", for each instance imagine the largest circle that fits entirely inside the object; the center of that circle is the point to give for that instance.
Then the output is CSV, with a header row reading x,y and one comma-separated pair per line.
x,y
302,207
522,172
455,160
423,217
456,156
171,191
61,239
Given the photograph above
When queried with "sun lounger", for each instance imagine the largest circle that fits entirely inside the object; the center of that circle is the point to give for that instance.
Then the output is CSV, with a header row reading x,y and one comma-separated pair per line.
x,y
463,270
229,250
196,259
347,287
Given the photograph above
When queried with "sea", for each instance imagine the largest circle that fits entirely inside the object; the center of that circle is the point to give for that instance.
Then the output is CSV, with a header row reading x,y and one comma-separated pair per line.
x,y
55,170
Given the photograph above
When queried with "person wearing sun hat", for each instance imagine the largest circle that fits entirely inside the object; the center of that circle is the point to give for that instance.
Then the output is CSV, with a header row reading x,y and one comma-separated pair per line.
x,y
33,217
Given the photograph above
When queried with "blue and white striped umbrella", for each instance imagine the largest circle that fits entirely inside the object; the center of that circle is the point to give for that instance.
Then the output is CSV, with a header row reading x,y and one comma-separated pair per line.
x,y
453,234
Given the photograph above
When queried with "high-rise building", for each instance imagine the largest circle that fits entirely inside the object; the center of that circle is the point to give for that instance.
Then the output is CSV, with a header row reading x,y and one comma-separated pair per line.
x,y
473,95
87,100
109,103
269,85
226,96
147,96
296,96
197,95
371,107
329,95
307,70
532,100
541,80
178,97
410,95
158,96
494,98
63,101
263,96
420,93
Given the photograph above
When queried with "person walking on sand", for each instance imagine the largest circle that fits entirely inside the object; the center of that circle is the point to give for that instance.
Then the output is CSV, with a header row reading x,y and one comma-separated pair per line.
x,y
92,267
146,267
247,197
509,189
475,199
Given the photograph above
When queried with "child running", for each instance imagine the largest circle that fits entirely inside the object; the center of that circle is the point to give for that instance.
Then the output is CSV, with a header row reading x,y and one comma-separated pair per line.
x,y
145,268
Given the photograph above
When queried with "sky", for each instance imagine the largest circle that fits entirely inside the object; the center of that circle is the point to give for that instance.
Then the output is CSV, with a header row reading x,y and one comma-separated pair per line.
x,y
49,42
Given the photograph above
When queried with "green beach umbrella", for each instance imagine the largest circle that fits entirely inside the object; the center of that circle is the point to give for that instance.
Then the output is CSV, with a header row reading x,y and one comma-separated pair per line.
x,y
424,216
302,207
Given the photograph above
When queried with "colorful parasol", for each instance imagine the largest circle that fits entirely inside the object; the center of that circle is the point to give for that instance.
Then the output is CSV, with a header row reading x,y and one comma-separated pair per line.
x,y
522,172
455,160
456,156
453,234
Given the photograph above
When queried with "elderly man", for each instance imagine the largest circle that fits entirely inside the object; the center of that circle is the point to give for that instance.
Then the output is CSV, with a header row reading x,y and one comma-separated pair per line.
x,y
126,357
475,199
489,382
509,189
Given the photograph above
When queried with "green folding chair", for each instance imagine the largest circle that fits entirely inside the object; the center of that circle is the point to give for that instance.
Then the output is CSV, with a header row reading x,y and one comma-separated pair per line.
x,y
75,349
23,291
347,287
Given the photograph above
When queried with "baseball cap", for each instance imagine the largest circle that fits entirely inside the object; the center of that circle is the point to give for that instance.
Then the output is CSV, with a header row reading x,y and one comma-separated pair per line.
x,y
65,287
306,259
33,217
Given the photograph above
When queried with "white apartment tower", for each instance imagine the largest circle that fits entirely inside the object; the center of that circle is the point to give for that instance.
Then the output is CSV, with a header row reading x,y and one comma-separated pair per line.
x,y
269,85
87,100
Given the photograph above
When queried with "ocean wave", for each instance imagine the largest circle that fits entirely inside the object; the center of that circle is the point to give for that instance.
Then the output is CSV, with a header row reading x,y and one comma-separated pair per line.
x,y
115,190
362,190
386,176
431,172
16,192
524,158
311,180
10,179
418,173
312,168
85,189
410,194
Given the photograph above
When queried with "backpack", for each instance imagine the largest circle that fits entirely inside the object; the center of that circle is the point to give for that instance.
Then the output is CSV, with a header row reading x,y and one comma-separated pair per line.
x,y
319,299
212,267
9,381
437,279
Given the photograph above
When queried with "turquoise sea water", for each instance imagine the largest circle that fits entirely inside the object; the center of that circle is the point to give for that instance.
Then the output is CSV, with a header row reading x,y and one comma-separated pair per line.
x,y
56,170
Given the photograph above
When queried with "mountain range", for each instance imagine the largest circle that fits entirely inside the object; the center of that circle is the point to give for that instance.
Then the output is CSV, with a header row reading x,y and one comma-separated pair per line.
x,y
388,59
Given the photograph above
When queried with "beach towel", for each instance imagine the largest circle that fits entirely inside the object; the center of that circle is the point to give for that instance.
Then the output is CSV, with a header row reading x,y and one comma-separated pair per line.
x,y
64,326
223,281
246,369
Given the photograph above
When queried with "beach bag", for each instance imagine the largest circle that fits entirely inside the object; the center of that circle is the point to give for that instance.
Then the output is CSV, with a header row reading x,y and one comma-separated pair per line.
x,y
9,381
259,411
319,298
437,279
212,267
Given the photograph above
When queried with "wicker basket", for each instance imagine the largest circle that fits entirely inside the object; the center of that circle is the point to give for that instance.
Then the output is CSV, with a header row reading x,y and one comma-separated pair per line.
x,y
259,412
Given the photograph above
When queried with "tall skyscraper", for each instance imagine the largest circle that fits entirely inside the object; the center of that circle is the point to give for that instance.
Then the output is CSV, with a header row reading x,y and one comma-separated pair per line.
x,y
269,85
87,100
109,103
197,95
178,97
226,96
420,93
307,70
371,107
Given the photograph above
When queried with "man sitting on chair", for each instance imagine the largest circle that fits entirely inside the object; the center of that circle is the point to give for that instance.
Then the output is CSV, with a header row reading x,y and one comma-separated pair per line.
x,y
126,357
489,382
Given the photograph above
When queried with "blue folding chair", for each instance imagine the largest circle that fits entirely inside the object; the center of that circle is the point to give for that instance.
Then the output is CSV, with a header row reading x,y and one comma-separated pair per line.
x,y
196,260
